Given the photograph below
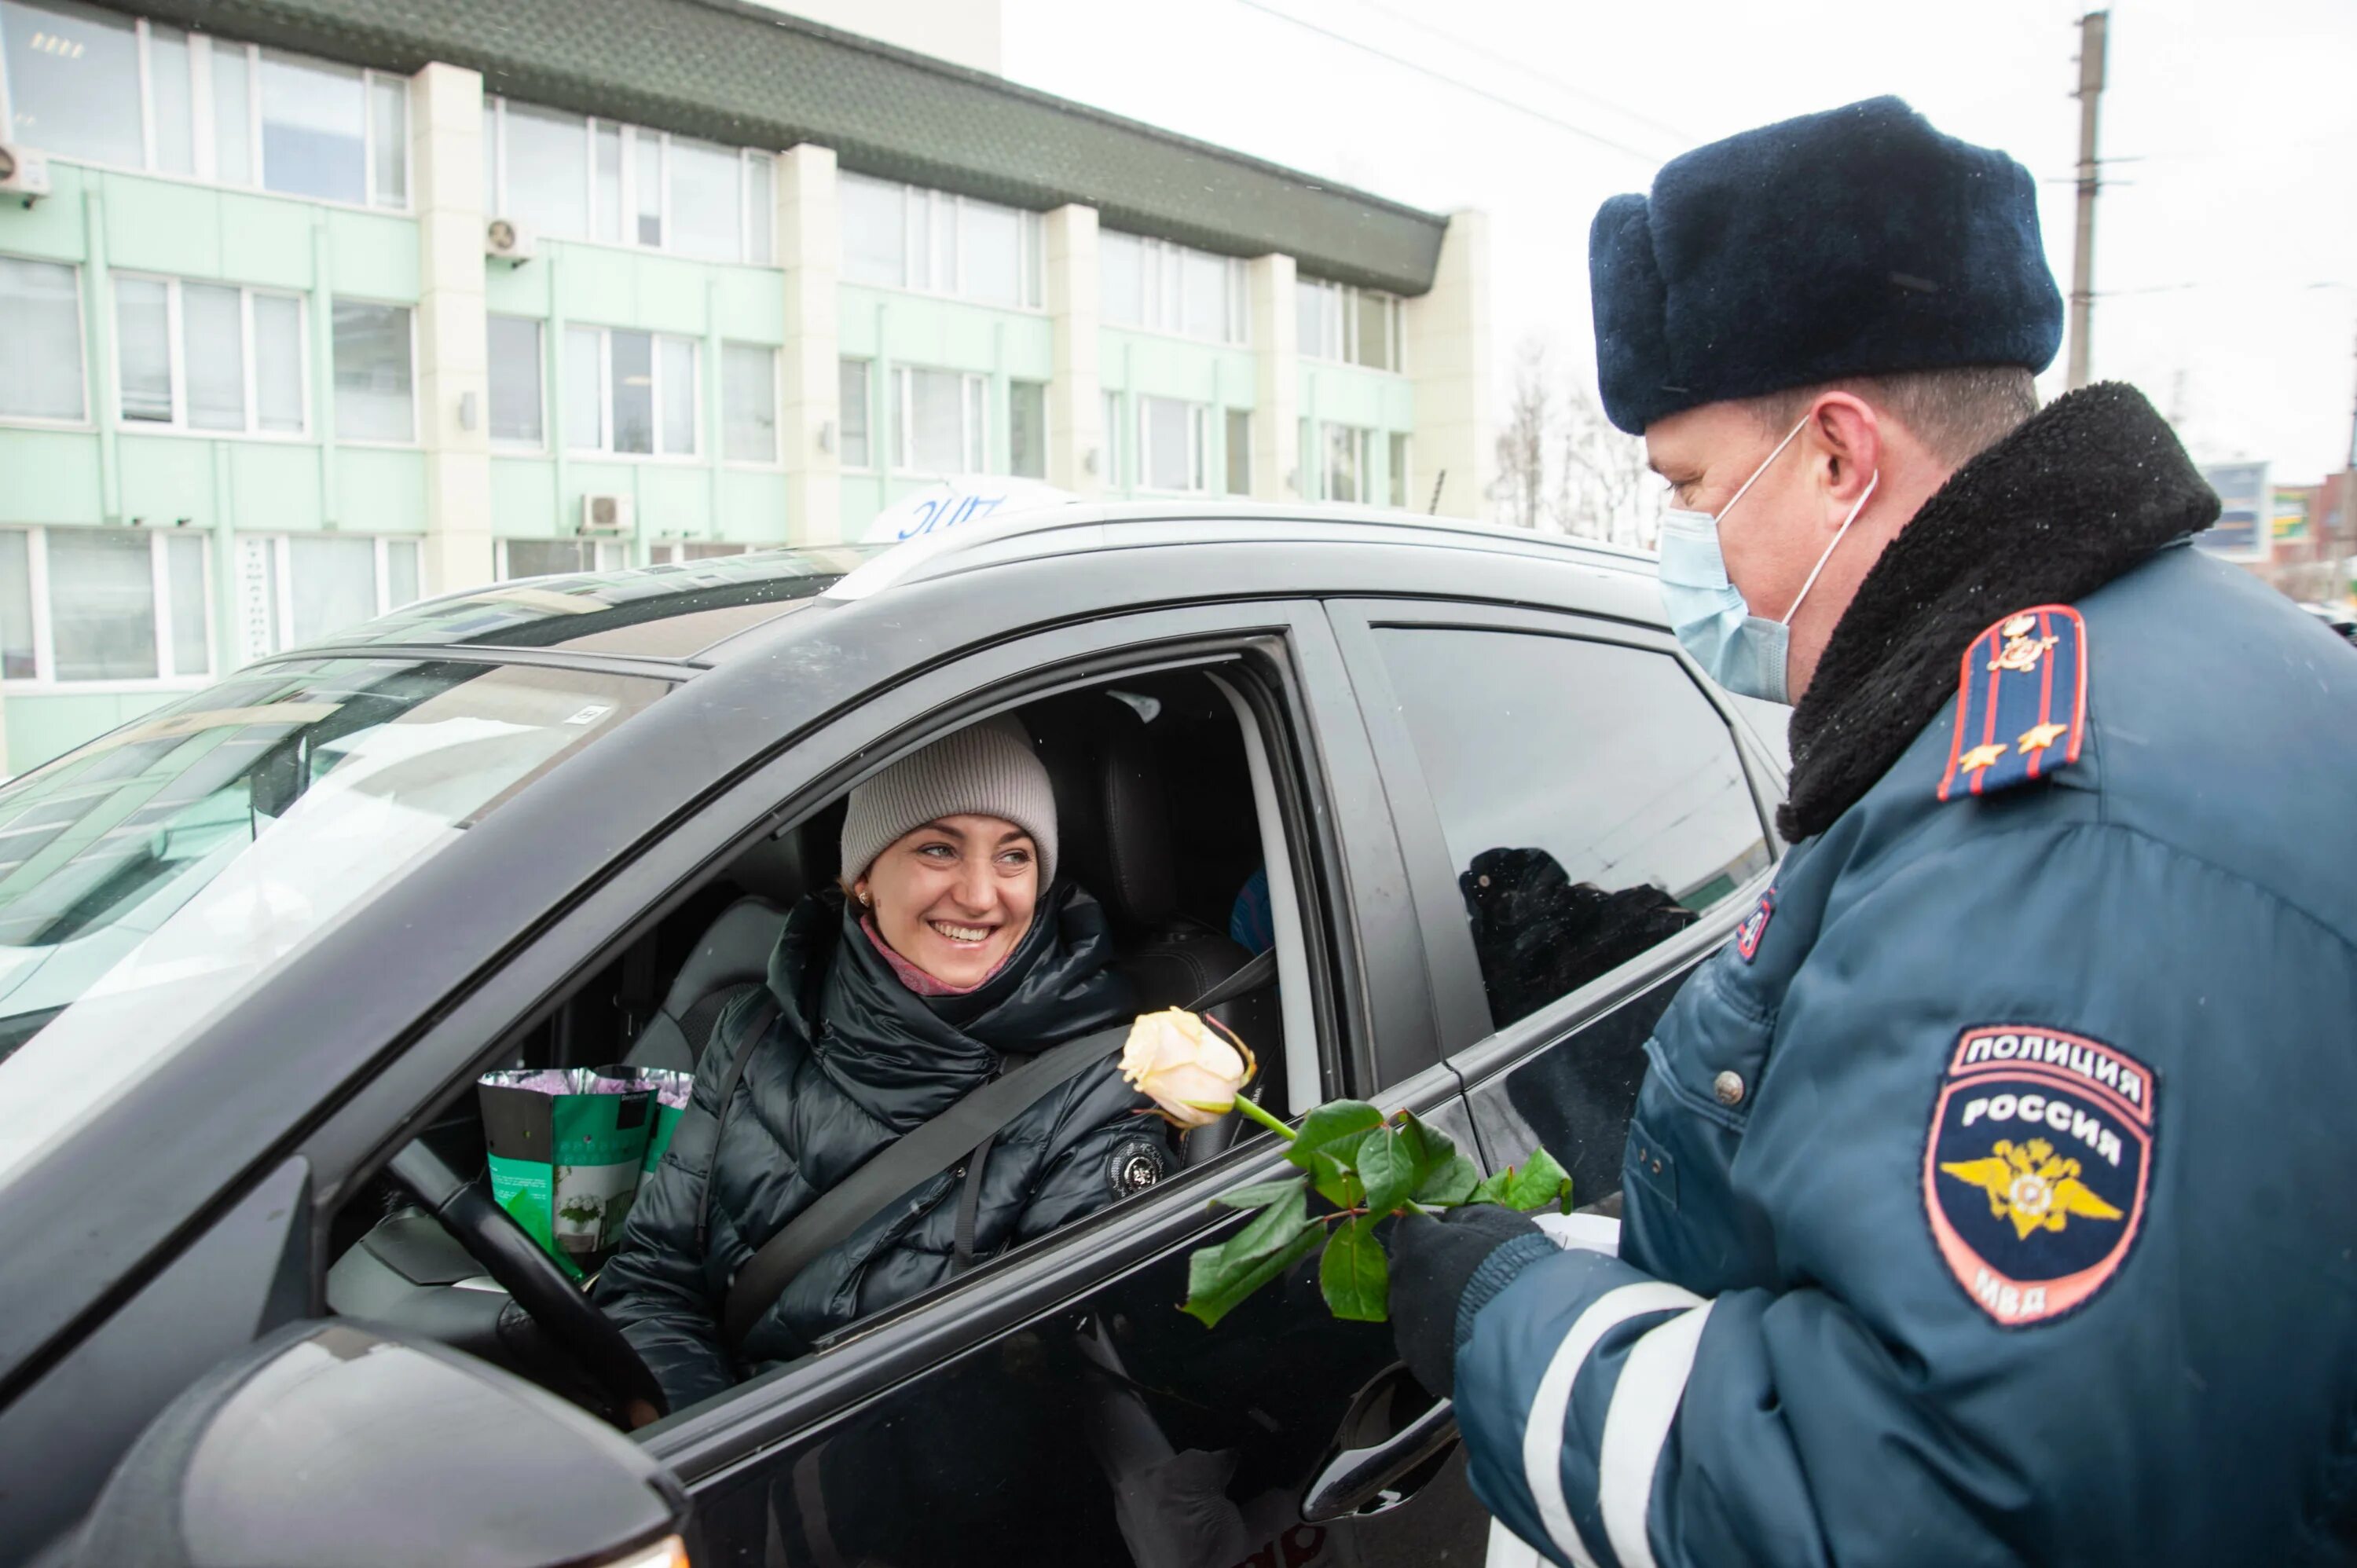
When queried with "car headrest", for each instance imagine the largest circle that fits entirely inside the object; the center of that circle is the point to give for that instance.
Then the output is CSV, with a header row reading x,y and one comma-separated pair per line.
x,y
1112,814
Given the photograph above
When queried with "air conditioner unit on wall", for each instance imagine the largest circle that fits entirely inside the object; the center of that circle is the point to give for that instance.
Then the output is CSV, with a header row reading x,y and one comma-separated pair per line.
x,y
607,517
24,172
509,240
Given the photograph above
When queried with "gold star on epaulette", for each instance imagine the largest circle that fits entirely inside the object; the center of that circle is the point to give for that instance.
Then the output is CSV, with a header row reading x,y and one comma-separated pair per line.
x,y
2038,737
1981,756
2020,626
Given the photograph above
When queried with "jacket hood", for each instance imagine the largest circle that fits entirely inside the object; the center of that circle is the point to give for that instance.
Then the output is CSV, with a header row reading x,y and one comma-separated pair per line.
x,y
906,1058
2077,495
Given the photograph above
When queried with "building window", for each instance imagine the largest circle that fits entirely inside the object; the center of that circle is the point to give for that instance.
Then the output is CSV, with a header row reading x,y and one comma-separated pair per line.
x,y
1355,325
200,356
87,84
1027,429
516,377
631,393
904,236
1114,473
117,604
40,341
572,177
943,419
852,377
1171,441
298,588
1346,463
749,403
1239,451
374,400
678,552
1399,490
548,557
1165,287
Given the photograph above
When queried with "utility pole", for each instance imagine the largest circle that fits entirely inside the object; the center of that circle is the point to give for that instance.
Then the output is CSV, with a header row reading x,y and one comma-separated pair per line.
x,y
2083,259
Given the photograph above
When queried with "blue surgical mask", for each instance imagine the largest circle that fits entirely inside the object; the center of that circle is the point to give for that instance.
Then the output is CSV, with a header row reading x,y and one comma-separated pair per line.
x,y
1746,653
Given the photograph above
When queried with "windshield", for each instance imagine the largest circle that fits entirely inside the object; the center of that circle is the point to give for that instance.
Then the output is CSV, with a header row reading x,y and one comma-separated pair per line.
x,y
153,875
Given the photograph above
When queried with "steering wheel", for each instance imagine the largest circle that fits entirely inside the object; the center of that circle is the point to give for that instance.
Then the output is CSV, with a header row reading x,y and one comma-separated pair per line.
x,y
493,1239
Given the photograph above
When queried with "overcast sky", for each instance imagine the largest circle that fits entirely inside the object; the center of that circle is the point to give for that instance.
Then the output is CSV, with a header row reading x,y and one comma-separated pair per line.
x,y
2235,126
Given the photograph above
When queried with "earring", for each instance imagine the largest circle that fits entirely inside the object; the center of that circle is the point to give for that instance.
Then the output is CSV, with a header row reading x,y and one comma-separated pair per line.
x,y
867,900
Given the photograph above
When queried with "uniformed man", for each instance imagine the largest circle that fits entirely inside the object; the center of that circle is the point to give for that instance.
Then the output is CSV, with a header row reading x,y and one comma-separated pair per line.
x,y
1992,1199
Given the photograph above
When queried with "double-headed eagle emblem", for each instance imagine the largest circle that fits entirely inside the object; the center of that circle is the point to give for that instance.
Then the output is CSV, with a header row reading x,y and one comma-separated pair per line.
x,y
2032,1187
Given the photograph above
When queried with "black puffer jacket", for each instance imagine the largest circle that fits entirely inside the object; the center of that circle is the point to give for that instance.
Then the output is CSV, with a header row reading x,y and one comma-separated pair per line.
x,y
834,1083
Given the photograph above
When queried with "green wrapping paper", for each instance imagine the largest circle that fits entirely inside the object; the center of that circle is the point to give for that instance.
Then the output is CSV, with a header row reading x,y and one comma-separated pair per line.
x,y
567,1147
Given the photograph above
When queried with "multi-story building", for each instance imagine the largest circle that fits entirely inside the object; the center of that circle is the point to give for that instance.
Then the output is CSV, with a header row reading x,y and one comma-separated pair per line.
x,y
311,307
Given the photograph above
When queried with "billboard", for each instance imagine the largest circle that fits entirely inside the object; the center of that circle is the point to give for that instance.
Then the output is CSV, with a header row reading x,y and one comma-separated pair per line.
x,y
2246,512
2291,510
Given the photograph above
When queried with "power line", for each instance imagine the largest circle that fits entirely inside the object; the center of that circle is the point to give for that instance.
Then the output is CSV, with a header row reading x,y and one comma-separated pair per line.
x,y
1649,159
1686,138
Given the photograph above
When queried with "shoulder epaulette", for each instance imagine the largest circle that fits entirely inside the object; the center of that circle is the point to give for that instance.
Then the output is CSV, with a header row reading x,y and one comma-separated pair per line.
x,y
2021,702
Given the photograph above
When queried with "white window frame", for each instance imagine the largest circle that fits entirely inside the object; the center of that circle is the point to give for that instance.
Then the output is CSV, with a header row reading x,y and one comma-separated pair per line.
x,y
541,336
916,249
1340,304
84,420
204,107
605,447
875,445
282,574
1198,446
607,555
416,376
1162,264
973,422
496,205
776,458
1361,438
177,347
159,567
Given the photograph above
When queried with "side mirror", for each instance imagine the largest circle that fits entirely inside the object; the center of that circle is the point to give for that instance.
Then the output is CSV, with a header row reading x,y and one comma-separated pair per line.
x,y
335,1444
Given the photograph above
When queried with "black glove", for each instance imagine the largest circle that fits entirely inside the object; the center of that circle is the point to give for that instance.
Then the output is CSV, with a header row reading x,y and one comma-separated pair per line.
x,y
1433,1262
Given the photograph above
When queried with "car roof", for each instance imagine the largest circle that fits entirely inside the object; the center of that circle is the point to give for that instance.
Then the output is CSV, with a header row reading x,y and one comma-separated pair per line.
x,y
697,612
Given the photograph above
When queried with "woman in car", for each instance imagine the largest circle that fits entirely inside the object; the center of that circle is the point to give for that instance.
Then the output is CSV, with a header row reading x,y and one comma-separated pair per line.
x,y
948,947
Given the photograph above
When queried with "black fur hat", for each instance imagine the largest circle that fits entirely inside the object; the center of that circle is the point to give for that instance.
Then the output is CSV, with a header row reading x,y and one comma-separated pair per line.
x,y
1859,241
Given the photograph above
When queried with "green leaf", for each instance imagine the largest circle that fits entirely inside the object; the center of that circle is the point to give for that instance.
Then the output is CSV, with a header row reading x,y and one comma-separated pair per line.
x,y
1333,1129
1337,1183
1431,1148
1387,1165
1539,1183
1219,1279
1354,1275
1491,1189
1259,1194
1454,1181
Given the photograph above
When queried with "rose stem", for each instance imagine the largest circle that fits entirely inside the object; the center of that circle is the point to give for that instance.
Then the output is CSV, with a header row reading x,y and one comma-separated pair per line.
x,y
1244,1104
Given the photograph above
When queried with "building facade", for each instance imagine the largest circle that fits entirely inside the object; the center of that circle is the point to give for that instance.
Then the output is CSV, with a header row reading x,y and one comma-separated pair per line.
x,y
329,305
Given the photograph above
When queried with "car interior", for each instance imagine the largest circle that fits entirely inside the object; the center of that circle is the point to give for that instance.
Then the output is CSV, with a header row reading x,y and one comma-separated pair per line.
x,y
1153,777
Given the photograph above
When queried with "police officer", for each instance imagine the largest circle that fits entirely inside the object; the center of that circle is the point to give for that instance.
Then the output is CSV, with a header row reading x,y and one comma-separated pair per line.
x,y
1992,1199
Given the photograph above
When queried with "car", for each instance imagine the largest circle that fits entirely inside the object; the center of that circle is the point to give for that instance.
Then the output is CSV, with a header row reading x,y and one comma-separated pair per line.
x,y
2339,616
259,945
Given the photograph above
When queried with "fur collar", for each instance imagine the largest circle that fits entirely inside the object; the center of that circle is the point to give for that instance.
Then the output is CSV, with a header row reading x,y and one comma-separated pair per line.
x,y
2082,492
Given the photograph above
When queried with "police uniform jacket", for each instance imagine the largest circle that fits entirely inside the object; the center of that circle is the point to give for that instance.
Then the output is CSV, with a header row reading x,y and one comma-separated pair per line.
x,y
851,1059
1993,1198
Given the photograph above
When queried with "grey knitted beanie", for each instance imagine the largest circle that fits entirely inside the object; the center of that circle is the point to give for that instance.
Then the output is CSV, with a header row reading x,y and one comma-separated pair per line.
x,y
988,770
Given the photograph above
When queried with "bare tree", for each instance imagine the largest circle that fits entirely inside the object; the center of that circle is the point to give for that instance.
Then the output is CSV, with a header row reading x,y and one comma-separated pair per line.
x,y
1519,492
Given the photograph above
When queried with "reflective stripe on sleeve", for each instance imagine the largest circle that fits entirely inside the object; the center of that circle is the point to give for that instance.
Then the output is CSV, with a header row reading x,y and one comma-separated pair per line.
x,y
1644,1404
1542,1432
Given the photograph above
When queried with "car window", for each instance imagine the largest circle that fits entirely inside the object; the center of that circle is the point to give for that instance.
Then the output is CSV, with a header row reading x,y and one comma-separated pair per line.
x,y
149,876
1591,798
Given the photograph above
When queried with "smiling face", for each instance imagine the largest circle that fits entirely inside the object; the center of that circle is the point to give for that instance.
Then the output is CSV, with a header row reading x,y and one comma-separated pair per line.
x,y
955,895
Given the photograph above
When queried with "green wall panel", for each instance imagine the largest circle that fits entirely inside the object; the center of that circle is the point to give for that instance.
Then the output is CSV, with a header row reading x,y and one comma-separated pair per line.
x,y
374,255
510,289
1173,367
947,334
51,227
523,496
167,477
41,727
863,498
274,486
1341,395
379,491
609,287
162,226
753,506
267,240
672,500
48,476
749,303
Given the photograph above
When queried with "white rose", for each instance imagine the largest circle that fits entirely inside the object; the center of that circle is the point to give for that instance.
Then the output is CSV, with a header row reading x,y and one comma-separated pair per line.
x,y
1181,1063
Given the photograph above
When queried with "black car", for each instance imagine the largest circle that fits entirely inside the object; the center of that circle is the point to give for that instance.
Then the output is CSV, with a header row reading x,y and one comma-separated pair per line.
x,y
260,944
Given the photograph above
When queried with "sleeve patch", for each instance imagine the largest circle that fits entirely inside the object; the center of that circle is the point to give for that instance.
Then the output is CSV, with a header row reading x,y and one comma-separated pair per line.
x,y
2021,702
2036,1167
1136,1165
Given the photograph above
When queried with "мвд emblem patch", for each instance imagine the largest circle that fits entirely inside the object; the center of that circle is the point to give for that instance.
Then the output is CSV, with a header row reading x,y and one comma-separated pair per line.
x,y
2036,1167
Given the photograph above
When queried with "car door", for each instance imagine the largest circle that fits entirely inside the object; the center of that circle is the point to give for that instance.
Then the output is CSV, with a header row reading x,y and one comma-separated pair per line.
x,y
1582,822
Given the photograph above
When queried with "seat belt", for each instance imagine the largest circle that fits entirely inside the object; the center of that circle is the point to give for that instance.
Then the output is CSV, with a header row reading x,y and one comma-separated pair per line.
x,y
923,1153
